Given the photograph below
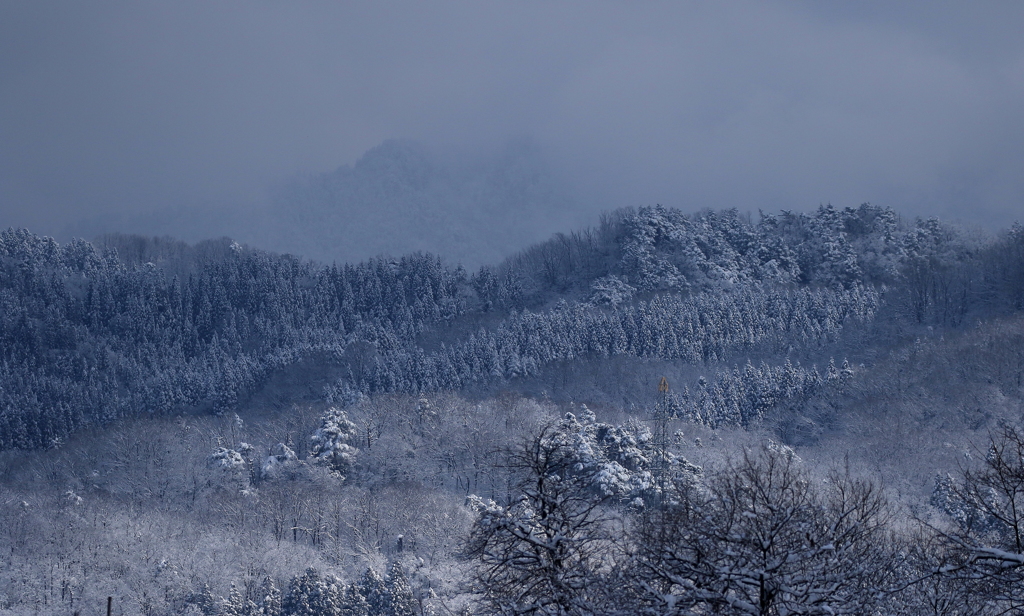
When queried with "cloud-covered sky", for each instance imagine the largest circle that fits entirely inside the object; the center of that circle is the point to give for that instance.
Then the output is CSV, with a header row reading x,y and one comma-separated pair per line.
x,y
113,107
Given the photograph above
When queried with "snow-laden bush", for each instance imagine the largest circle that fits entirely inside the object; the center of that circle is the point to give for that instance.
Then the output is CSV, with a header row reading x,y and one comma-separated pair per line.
x,y
281,461
622,462
227,459
229,469
610,291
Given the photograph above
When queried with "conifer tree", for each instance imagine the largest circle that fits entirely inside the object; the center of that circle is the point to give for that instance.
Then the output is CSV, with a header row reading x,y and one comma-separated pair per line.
x,y
373,588
400,599
330,442
237,605
353,603
310,594
269,603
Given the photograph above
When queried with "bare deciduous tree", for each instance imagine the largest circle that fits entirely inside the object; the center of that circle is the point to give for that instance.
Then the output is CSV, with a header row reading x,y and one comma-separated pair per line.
x,y
541,554
984,549
761,537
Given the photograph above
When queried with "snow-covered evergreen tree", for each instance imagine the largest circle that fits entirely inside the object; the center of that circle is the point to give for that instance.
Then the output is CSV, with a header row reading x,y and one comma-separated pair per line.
x,y
269,599
237,605
353,603
374,590
400,599
312,594
330,442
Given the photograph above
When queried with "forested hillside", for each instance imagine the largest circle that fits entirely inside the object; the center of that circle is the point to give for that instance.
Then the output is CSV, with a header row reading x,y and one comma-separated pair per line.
x,y
217,429
132,326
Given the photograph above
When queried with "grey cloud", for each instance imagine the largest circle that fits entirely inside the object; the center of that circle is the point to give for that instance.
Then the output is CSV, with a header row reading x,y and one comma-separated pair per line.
x,y
119,108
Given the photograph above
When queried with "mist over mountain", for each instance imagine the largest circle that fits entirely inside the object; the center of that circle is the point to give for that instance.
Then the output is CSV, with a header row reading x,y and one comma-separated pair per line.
x,y
470,207
400,197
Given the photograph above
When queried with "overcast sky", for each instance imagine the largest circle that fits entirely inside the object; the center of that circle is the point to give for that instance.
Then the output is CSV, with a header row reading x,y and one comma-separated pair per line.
x,y
135,106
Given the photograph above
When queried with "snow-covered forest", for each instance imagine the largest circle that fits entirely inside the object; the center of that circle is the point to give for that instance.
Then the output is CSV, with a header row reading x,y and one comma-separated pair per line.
x,y
667,413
